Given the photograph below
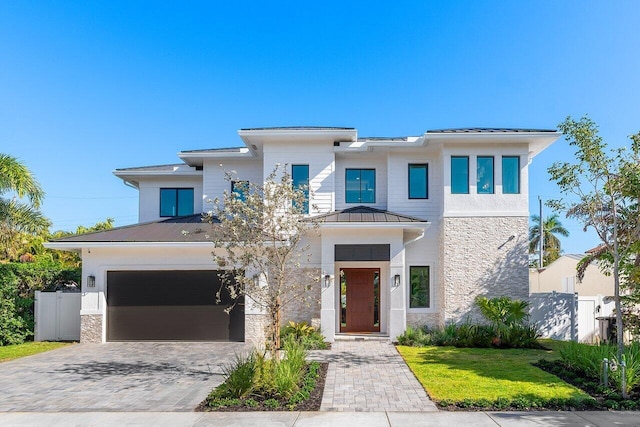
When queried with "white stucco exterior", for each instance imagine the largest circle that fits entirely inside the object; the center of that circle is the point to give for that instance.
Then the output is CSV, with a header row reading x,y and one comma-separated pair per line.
x,y
471,244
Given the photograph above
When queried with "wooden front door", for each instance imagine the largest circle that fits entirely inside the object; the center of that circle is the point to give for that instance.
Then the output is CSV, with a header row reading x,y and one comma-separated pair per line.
x,y
362,300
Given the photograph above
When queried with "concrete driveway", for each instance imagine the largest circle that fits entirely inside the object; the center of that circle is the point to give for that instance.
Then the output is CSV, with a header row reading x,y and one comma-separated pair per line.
x,y
115,377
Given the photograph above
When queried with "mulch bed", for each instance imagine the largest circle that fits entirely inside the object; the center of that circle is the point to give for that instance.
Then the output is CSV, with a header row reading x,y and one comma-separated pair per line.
x,y
311,404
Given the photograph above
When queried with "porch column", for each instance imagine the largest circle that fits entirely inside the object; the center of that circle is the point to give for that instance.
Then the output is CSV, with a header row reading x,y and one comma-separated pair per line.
x,y
397,297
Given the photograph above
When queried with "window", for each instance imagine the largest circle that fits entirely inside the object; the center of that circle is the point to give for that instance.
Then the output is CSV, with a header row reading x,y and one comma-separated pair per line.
x,y
511,175
459,175
419,287
300,178
418,181
360,185
239,189
176,201
485,174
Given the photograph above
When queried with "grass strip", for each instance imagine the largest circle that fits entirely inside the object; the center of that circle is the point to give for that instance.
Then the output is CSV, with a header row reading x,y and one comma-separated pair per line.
x,y
11,352
478,374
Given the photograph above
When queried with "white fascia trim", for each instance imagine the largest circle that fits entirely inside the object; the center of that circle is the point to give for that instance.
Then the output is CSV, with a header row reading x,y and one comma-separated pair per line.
x,y
466,214
81,245
243,153
376,225
340,133
412,142
123,174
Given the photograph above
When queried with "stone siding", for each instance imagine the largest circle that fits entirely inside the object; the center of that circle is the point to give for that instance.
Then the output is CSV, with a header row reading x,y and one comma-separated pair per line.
x,y
255,329
418,320
482,256
91,328
306,307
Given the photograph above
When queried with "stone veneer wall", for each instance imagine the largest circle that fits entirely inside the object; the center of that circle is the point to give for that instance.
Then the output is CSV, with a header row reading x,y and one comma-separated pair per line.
x,y
418,320
307,307
482,256
255,328
91,328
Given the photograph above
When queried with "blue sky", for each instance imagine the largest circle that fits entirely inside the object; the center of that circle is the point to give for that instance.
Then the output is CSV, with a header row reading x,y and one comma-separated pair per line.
x,y
87,87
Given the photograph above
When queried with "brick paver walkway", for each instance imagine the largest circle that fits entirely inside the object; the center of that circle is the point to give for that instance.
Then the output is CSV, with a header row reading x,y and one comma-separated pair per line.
x,y
370,376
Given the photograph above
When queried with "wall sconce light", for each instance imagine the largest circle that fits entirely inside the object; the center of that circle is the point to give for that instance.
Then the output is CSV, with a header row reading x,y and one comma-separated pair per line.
x,y
327,280
396,280
91,281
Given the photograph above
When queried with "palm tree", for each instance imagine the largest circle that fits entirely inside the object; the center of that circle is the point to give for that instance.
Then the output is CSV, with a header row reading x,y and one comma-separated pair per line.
x,y
18,219
552,227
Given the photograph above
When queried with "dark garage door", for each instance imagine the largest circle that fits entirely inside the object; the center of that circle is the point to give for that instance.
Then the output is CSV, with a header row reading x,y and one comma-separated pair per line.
x,y
170,305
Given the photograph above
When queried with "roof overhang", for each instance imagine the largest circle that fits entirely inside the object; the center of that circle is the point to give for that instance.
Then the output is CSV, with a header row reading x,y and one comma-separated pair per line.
x,y
78,246
536,141
197,158
133,175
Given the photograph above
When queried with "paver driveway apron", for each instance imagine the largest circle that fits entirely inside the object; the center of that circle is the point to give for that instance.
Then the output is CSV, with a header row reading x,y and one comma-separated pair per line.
x,y
132,376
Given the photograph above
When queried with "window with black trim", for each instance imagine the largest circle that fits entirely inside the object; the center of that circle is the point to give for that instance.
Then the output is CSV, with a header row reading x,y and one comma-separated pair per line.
x,y
419,292
300,181
459,174
240,189
418,181
360,186
176,202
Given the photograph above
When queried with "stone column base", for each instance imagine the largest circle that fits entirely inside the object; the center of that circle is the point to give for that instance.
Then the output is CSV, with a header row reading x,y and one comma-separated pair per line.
x,y
91,328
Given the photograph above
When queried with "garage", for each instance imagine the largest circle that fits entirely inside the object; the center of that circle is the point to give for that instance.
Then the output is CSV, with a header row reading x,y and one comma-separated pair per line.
x,y
170,306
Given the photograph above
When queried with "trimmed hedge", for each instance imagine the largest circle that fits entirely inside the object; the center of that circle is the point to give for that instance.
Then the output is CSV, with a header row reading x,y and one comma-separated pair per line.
x,y
18,283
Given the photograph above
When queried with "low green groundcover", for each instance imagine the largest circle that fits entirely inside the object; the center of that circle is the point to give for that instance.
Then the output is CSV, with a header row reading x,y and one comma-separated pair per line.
x,y
481,378
10,352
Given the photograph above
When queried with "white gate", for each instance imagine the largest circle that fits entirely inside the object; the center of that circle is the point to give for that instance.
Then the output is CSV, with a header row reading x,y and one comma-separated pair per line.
x,y
57,316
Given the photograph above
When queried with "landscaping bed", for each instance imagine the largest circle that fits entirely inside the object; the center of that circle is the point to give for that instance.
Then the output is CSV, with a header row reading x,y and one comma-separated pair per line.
x,y
260,403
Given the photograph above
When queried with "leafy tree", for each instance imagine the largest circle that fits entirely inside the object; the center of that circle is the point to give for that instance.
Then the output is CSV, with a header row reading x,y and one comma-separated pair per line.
x,y
260,231
601,189
19,221
72,259
552,227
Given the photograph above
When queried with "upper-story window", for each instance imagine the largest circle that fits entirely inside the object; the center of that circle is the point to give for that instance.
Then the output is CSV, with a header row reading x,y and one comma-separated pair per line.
x,y
176,201
239,189
300,178
360,185
485,174
418,181
459,174
511,174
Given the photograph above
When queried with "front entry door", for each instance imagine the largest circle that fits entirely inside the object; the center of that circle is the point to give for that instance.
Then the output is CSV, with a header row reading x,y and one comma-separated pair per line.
x,y
360,297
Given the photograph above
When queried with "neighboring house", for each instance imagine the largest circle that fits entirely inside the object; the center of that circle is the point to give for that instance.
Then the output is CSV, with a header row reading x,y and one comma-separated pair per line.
x,y
593,297
413,229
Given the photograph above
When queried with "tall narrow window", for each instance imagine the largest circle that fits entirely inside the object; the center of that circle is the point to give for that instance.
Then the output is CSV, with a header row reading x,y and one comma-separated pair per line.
x,y
419,296
485,174
418,181
300,178
511,175
176,202
360,185
459,175
239,189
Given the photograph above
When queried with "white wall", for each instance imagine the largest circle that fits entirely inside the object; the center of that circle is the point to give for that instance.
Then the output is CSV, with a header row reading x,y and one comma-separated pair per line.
x,y
398,182
214,182
497,204
320,158
149,189
361,160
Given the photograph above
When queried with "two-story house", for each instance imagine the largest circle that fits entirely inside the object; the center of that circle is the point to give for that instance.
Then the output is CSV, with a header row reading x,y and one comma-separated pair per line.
x,y
413,229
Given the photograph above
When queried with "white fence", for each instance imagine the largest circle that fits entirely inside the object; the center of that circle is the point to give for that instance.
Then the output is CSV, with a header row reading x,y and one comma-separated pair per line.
x,y
566,316
57,316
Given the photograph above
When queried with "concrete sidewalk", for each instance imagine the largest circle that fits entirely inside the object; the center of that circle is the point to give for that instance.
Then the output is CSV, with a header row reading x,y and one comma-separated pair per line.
x,y
318,419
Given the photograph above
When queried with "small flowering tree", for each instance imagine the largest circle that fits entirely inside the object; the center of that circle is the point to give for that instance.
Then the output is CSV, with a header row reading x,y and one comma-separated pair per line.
x,y
260,230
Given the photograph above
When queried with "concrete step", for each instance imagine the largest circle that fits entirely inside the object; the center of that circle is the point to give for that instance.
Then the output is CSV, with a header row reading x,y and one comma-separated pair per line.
x,y
361,337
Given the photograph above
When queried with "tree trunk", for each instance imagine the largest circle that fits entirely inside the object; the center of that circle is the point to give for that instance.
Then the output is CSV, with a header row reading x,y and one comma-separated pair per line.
x,y
616,288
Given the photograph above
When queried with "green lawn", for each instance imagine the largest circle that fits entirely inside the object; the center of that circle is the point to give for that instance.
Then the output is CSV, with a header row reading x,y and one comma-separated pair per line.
x,y
11,352
456,374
